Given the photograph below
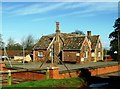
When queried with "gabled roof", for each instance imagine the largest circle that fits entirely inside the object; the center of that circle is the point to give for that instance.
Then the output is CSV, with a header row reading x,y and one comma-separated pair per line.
x,y
94,40
44,41
71,41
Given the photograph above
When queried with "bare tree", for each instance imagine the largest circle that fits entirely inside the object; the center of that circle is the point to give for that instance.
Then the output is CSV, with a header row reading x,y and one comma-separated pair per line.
x,y
1,42
10,43
17,46
28,42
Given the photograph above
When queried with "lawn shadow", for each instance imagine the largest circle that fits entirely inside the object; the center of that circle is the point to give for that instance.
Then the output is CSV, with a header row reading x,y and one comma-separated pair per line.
x,y
111,82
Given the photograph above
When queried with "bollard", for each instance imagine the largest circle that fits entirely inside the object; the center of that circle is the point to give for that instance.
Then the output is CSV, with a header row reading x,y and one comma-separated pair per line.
x,y
9,77
47,73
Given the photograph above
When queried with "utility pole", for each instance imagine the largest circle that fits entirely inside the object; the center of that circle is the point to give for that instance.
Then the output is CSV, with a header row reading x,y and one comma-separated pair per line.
x,y
118,47
118,51
119,38
23,54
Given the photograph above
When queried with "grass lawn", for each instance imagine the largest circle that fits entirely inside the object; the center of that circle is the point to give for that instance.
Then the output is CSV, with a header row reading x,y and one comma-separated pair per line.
x,y
57,83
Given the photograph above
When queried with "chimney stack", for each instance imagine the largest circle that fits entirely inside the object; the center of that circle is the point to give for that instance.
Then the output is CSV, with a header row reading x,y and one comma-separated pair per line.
x,y
57,44
57,27
88,33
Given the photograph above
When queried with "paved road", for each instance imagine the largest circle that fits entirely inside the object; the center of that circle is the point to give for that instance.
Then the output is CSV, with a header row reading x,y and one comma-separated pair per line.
x,y
70,66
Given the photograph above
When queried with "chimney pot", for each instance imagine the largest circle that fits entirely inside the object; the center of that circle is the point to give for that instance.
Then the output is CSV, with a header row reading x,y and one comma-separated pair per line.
x,y
88,33
57,27
57,23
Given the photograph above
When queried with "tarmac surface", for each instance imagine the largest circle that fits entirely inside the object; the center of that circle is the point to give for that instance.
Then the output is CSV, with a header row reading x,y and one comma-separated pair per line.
x,y
63,67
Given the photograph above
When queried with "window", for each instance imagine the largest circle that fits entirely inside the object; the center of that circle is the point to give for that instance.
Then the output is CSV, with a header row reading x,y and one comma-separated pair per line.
x,y
40,54
93,54
82,59
77,54
50,52
99,54
99,45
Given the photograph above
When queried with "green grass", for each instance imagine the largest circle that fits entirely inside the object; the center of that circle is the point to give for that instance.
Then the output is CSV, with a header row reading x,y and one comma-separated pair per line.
x,y
71,82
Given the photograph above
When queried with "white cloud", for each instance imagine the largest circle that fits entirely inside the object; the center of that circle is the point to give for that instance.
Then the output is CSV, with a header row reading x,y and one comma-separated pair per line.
x,y
83,13
37,9
73,5
106,7
85,9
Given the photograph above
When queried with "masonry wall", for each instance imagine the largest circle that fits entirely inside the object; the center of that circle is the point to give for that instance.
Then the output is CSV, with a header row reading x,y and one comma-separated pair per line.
x,y
2,65
86,52
76,56
38,58
77,73
104,70
54,73
29,75
98,50
71,56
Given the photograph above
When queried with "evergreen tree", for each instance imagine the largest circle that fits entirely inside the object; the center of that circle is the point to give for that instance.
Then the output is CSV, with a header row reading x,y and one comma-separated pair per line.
x,y
115,40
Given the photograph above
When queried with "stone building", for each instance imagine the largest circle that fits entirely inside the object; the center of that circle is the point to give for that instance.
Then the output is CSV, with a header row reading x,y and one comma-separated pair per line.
x,y
68,47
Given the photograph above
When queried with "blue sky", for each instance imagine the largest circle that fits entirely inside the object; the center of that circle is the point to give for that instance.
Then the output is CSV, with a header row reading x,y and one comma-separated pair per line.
x,y
20,19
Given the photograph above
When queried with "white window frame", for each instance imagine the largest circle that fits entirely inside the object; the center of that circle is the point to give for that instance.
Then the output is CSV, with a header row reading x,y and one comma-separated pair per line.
x,y
86,54
93,54
40,54
99,54
82,59
99,45
50,52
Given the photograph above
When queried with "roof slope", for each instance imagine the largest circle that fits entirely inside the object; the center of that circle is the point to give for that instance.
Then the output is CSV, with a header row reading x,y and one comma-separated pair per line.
x,y
94,40
44,41
73,43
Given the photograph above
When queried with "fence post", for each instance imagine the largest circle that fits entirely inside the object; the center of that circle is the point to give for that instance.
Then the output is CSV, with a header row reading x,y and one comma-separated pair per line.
x,y
9,77
47,73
